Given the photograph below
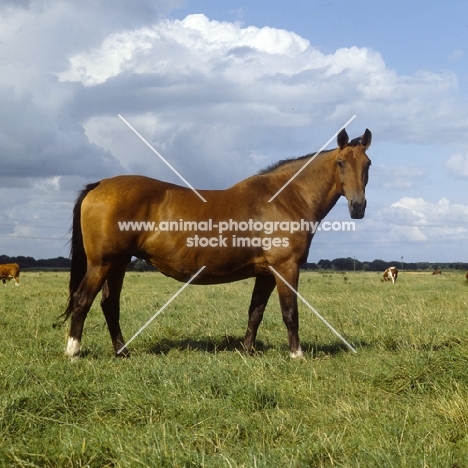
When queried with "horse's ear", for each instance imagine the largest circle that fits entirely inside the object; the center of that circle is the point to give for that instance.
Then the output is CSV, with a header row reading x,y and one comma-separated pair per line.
x,y
342,139
366,138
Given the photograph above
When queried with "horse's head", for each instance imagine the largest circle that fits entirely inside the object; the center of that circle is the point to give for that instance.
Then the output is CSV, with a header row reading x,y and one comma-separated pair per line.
x,y
352,168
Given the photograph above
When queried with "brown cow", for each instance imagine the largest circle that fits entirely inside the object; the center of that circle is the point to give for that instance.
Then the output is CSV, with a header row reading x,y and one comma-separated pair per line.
x,y
9,271
467,276
437,272
390,274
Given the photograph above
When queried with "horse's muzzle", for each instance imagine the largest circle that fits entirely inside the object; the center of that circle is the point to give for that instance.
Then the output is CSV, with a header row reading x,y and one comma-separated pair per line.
x,y
357,210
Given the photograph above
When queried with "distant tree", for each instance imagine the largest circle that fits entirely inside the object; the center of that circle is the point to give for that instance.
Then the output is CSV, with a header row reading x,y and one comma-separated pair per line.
x,y
378,265
344,264
325,264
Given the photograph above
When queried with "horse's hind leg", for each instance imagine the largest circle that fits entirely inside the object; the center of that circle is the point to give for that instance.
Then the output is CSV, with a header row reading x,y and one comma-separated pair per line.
x,y
110,304
82,300
263,288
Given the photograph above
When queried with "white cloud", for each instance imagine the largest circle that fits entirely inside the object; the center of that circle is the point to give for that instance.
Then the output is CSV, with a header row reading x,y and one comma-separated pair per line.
x,y
210,94
413,223
115,55
457,165
164,49
275,73
423,212
418,219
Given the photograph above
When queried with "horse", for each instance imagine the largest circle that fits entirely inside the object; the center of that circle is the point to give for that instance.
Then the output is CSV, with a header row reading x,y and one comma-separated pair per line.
x,y
9,271
274,242
436,272
390,274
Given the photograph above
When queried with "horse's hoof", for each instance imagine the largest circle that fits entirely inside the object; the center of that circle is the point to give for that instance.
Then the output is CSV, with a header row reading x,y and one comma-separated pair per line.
x,y
297,354
123,353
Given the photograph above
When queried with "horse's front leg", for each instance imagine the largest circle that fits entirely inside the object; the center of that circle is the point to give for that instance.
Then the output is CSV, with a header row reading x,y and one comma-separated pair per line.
x,y
288,303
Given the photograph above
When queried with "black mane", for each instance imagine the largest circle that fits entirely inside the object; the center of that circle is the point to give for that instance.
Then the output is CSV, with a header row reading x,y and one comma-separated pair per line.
x,y
282,162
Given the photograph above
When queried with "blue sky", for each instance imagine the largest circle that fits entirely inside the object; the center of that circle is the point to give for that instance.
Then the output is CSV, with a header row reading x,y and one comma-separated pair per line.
x,y
224,88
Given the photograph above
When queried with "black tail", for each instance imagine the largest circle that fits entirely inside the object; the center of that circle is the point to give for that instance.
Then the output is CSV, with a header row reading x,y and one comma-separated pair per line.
x,y
77,251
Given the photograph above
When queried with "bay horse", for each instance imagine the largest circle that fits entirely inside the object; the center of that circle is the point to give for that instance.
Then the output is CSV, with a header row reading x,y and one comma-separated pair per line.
x,y
101,249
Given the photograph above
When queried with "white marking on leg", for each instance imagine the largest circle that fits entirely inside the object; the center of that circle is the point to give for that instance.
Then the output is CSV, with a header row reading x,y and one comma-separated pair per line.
x,y
73,347
297,354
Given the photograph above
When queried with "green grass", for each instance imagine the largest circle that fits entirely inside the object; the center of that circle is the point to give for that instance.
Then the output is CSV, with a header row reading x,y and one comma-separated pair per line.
x,y
190,397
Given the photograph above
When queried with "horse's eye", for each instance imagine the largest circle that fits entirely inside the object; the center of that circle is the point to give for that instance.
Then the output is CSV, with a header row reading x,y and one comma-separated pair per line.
x,y
340,163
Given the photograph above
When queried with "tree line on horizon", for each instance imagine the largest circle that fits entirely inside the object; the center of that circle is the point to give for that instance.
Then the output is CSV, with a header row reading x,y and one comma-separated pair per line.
x,y
352,264
338,264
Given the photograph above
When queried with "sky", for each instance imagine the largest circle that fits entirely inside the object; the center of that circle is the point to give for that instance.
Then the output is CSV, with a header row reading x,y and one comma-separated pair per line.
x,y
222,89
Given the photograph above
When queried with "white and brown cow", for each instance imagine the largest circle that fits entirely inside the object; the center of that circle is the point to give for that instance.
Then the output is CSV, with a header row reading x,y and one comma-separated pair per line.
x,y
9,271
390,274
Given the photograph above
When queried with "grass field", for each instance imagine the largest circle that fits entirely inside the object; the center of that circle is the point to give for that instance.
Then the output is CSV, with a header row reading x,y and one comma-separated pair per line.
x,y
190,397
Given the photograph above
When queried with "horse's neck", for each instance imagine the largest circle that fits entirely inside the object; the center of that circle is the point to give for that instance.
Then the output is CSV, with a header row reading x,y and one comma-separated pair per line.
x,y
316,186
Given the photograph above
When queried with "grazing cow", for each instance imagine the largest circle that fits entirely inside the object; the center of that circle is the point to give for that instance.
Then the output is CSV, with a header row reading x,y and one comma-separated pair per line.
x,y
437,272
390,274
467,276
8,271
